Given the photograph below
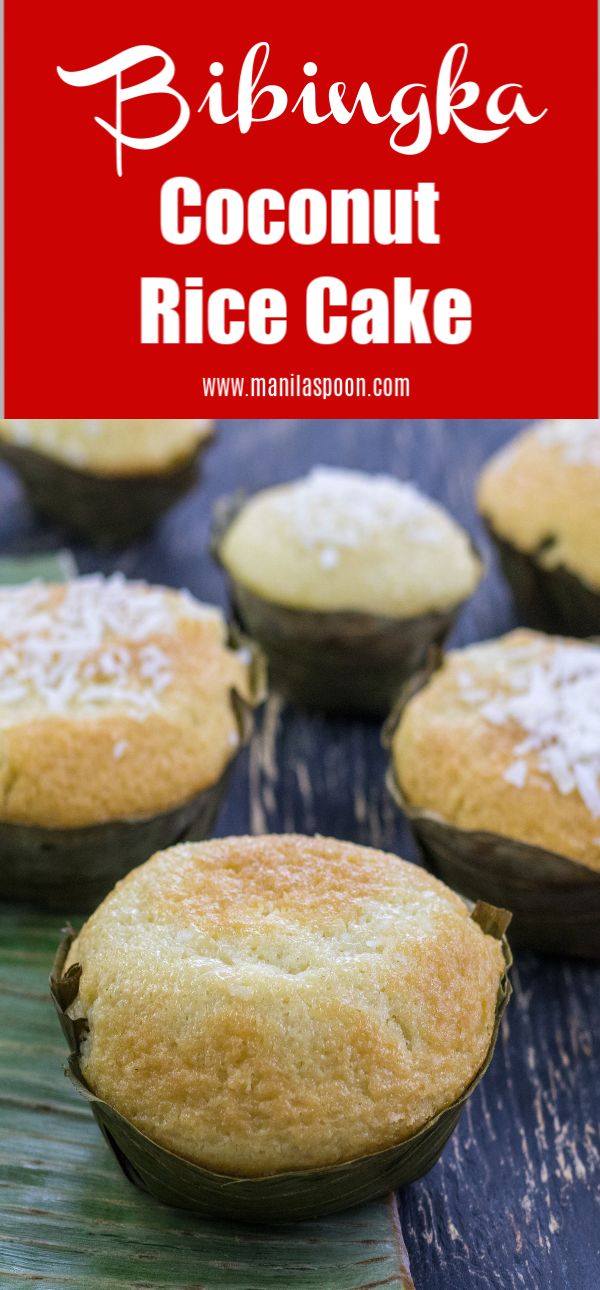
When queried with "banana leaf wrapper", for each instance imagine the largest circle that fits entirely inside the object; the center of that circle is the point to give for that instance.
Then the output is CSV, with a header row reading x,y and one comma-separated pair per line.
x,y
549,599
106,509
342,662
278,1198
45,566
555,902
72,870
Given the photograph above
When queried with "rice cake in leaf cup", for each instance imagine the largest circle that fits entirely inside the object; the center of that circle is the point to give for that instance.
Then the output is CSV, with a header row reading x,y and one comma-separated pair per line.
x,y
274,1028
122,707
540,499
496,762
106,480
346,580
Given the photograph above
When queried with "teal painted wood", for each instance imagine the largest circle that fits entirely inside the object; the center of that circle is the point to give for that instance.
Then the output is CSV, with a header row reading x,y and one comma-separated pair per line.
x,y
514,1202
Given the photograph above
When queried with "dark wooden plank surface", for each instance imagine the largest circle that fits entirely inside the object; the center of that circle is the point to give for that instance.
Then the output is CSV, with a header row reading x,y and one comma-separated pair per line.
x,y
515,1202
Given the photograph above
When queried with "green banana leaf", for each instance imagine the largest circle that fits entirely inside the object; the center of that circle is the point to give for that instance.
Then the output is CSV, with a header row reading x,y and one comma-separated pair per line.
x,y
71,1220
50,566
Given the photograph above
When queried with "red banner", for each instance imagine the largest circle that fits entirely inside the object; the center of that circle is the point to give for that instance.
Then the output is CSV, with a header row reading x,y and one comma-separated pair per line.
x,y
236,210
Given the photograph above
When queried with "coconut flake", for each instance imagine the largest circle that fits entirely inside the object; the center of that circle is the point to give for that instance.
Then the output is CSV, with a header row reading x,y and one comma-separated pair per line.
x,y
329,557
89,644
516,774
552,698
579,440
336,510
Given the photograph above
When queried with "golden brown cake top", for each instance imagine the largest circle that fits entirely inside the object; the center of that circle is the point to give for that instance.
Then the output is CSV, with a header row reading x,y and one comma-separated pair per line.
x,y
115,447
506,738
347,540
269,1003
543,491
114,700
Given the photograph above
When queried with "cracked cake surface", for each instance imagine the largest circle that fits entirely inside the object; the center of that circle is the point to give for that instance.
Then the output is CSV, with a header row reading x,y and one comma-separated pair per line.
x,y
260,1004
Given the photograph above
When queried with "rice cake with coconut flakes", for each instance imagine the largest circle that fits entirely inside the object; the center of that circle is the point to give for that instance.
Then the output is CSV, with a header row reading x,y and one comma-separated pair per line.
x,y
347,540
505,738
263,1004
111,448
541,494
115,700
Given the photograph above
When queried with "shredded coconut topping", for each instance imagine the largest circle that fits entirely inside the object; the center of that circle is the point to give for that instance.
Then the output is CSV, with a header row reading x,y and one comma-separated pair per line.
x,y
554,698
580,440
89,643
333,509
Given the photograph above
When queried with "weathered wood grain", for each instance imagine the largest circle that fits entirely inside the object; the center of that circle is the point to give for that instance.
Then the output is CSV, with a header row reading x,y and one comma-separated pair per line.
x,y
514,1203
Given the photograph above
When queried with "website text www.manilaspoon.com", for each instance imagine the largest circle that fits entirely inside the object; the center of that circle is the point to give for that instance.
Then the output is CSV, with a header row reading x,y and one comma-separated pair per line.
x,y
298,386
